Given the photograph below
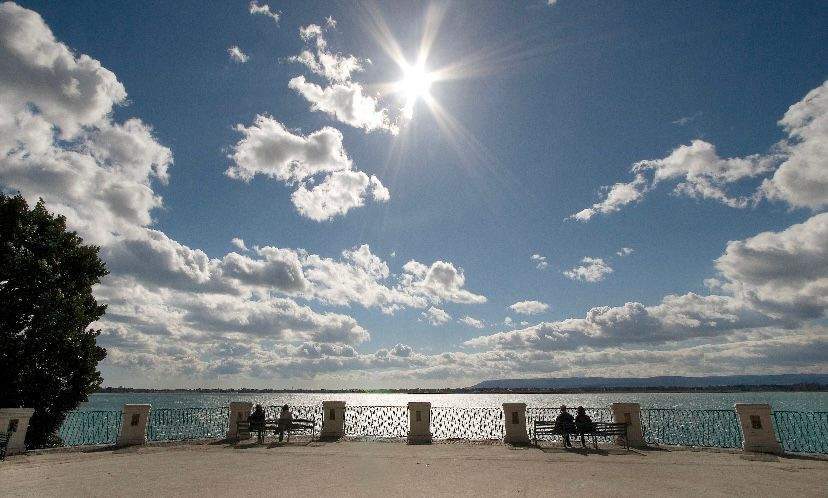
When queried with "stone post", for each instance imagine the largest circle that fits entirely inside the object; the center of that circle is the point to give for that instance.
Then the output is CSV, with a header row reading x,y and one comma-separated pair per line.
x,y
419,422
630,413
514,423
16,421
333,419
239,411
134,425
757,428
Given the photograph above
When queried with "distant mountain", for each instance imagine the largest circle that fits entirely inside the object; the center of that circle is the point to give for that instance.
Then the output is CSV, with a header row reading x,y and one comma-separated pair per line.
x,y
647,382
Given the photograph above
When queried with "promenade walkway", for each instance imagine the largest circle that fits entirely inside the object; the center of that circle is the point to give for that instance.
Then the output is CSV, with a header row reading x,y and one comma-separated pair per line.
x,y
395,469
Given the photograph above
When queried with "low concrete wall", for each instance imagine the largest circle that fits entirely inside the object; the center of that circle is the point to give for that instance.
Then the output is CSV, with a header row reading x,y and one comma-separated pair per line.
x,y
16,421
757,428
239,411
419,422
134,420
333,419
514,423
630,413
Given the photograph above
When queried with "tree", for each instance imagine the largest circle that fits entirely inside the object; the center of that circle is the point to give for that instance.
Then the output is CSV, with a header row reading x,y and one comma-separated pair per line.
x,y
48,353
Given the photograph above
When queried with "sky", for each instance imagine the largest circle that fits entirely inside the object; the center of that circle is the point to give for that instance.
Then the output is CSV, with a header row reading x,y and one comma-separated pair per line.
x,y
402,194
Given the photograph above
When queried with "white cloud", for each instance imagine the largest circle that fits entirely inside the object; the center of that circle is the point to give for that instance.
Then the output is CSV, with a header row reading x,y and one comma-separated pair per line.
x,y
529,307
540,261
782,273
236,55
440,281
618,195
333,66
264,10
435,316
625,251
592,270
269,148
239,243
687,119
802,179
472,322
346,102
338,193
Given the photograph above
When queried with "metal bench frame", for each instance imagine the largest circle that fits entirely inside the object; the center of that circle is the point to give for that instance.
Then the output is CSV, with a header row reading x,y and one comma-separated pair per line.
x,y
599,429
297,424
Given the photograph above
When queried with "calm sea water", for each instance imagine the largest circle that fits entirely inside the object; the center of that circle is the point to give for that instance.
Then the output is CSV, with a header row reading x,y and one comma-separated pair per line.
x,y
797,401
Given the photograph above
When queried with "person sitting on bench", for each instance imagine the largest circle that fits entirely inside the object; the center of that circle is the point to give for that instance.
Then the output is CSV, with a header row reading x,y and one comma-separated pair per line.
x,y
285,418
565,424
257,421
583,423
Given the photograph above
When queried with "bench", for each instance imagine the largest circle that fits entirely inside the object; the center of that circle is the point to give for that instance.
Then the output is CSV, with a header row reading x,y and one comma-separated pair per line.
x,y
4,443
261,428
599,429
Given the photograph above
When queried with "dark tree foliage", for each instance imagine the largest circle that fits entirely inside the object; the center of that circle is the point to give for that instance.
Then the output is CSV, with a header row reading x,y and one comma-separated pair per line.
x,y
48,355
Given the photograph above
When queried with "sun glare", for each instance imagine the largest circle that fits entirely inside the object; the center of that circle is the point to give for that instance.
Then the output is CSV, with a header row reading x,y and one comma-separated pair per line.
x,y
414,85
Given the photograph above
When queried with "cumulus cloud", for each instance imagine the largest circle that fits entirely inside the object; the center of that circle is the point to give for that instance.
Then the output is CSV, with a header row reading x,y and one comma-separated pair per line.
x,y
625,251
592,270
798,164
236,55
268,148
346,102
435,316
441,281
57,139
529,307
263,10
239,243
316,57
783,273
472,322
540,261
802,179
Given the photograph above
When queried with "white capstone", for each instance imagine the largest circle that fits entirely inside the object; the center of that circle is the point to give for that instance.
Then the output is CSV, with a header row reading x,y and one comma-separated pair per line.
x,y
16,421
757,428
239,411
514,423
333,419
630,413
419,422
134,420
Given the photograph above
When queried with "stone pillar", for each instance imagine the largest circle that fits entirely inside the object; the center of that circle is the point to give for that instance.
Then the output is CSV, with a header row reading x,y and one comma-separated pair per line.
x,y
419,422
333,419
630,413
134,425
514,423
757,428
239,411
16,421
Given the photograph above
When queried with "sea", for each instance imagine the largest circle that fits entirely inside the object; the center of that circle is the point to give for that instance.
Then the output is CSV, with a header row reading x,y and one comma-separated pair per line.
x,y
779,401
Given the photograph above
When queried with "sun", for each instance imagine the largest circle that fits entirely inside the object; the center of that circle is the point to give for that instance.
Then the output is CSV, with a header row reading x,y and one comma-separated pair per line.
x,y
414,85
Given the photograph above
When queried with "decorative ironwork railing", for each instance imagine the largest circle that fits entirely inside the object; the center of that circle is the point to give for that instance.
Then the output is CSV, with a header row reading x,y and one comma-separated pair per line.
x,y
376,421
802,432
706,428
175,424
90,427
466,423
299,411
550,413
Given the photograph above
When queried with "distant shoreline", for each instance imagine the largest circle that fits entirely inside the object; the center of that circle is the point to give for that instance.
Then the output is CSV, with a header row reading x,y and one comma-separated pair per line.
x,y
666,389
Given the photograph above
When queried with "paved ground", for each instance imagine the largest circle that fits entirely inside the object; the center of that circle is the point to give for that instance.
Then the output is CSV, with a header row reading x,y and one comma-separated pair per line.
x,y
395,469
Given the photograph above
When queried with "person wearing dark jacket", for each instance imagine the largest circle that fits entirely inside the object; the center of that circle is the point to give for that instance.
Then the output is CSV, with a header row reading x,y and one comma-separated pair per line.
x,y
583,423
564,425
257,422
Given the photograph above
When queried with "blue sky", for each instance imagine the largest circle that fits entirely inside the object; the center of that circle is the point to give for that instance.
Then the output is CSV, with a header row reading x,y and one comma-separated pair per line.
x,y
551,103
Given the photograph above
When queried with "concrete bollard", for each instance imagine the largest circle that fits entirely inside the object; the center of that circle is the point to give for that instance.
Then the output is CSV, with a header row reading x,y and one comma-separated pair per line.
x,y
630,413
16,421
333,419
239,411
514,423
134,420
757,428
419,422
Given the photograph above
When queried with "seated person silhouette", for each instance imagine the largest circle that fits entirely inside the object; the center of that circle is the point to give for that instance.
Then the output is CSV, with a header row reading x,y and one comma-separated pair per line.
x,y
564,425
583,423
257,421
285,418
